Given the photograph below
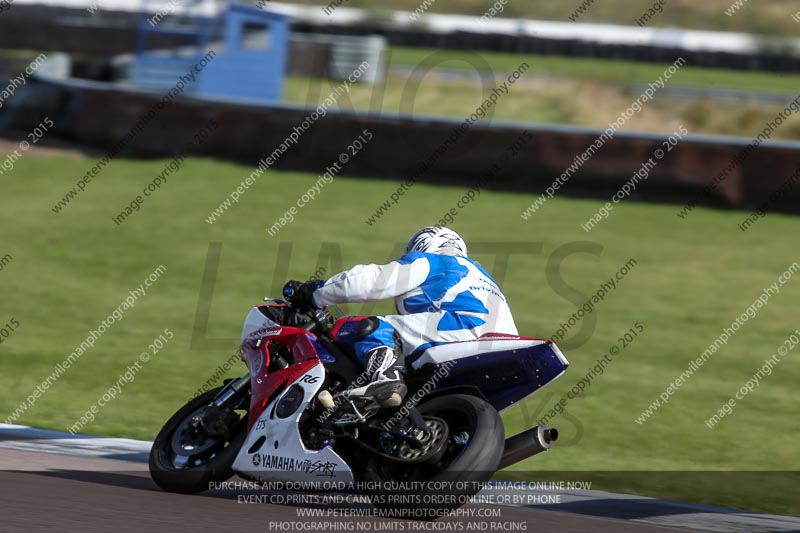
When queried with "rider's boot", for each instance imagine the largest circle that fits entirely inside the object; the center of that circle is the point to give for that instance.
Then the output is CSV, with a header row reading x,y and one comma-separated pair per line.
x,y
387,387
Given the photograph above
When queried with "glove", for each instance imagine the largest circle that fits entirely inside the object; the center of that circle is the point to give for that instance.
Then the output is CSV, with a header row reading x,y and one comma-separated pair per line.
x,y
301,295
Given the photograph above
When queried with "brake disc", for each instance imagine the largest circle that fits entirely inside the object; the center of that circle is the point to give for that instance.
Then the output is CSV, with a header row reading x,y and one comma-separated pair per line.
x,y
190,438
432,449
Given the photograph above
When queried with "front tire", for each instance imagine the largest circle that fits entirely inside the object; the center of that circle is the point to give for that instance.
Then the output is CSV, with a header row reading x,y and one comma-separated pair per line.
x,y
176,466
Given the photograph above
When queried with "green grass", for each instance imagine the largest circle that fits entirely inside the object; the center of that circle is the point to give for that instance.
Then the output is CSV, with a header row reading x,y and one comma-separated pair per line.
x,y
693,277
597,69
558,90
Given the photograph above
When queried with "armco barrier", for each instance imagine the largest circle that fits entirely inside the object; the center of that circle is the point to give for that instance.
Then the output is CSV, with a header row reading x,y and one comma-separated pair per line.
x,y
106,33
100,115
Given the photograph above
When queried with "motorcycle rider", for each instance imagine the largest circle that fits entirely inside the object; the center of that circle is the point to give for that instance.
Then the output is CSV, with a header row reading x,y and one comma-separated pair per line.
x,y
441,296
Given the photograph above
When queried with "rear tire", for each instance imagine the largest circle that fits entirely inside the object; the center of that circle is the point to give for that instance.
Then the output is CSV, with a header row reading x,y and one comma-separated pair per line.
x,y
199,471
481,457
463,470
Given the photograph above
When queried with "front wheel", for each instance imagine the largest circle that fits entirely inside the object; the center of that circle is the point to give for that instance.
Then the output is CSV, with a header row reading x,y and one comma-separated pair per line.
x,y
475,446
185,458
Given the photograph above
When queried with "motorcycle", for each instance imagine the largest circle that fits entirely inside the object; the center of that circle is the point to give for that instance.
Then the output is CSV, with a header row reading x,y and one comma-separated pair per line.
x,y
289,421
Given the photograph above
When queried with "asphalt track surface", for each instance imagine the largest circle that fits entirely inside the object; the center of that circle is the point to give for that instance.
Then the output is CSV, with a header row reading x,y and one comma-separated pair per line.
x,y
54,481
53,492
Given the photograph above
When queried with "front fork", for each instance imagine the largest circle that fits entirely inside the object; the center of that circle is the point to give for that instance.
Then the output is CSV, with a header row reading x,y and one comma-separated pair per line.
x,y
217,419
231,391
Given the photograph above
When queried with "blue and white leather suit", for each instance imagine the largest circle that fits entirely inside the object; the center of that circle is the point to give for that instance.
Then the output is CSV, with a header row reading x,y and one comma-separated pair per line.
x,y
439,298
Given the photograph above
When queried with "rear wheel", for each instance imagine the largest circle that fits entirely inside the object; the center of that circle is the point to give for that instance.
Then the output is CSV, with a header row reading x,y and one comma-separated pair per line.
x,y
428,490
186,457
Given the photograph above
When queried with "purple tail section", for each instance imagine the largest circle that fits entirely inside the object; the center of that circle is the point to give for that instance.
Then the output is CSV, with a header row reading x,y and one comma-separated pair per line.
x,y
506,377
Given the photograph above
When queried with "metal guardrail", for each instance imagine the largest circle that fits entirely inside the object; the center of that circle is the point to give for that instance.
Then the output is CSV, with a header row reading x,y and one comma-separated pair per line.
x,y
347,52
109,33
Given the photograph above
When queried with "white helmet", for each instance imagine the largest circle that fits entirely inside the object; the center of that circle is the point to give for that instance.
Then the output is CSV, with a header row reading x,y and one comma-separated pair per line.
x,y
437,240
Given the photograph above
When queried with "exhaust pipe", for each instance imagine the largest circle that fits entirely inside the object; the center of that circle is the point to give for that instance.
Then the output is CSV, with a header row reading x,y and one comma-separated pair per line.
x,y
527,444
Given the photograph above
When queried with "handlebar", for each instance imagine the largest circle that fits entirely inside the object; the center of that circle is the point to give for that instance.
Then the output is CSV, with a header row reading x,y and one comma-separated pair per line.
x,y
290,295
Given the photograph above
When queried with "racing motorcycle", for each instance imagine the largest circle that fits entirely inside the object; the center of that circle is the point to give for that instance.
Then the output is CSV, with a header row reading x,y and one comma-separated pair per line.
x,y
290,420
